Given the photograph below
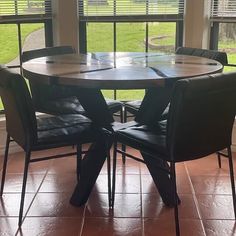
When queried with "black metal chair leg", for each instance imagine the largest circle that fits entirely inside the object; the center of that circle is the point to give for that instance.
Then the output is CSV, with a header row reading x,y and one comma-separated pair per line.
x,y
78,160
27,161
109,176
219,159
114,174
231,171
173,181
123,147
4,168
121,115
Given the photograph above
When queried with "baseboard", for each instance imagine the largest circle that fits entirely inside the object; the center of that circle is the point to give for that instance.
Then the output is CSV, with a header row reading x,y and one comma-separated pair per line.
x,y
15,148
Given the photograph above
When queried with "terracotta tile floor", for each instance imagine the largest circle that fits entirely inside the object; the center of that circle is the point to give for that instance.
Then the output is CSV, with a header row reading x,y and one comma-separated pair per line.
x,y
204,189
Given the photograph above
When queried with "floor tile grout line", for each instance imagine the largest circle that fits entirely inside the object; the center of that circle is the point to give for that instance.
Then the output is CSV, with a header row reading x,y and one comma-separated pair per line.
x,y
195,198
82,223
141,199
30,205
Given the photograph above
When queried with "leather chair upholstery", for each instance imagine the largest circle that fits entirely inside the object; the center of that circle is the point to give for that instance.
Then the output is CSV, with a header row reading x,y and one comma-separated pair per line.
x,y
132,107
33,133
58,99
200,122
211,54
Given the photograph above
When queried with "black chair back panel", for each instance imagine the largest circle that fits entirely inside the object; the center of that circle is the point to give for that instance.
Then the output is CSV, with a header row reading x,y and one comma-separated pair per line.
x,y
201,117
211,54
18,107
41,93
50,51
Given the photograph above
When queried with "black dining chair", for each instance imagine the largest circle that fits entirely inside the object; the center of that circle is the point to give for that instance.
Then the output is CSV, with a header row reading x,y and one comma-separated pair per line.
x,y
132,107
59,99
200,122
211,54
34,133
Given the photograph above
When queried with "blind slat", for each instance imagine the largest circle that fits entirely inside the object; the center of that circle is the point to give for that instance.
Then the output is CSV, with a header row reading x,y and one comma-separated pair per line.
x,y
115,8
223,8
24,7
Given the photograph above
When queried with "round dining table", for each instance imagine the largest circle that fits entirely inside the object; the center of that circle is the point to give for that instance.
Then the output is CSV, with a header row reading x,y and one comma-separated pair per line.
x,y
117,70
92,72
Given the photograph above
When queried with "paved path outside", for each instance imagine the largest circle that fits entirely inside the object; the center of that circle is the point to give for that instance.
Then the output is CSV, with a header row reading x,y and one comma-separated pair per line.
x,y
34,40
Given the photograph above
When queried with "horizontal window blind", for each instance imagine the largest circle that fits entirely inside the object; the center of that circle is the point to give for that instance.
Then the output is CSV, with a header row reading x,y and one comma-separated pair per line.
x,y
24,10
126,9
223,9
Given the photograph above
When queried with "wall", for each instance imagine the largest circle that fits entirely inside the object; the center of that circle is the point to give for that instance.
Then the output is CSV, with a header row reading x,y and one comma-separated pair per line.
x,y
65,23
196,24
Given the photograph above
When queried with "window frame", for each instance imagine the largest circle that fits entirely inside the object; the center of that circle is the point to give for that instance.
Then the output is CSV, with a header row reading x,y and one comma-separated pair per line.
x,y
83,20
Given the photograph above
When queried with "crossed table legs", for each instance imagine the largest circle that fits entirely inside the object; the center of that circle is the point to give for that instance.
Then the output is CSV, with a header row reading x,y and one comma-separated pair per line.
x,y
95,106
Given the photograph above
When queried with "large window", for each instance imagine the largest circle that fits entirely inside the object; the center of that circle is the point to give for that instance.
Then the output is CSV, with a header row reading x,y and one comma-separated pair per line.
x,y
18,20
130,26
223,28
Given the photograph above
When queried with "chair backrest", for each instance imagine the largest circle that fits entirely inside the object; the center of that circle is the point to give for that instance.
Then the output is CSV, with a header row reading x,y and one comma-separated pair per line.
x,y
201,116
21,122
41,93
211,54
50,51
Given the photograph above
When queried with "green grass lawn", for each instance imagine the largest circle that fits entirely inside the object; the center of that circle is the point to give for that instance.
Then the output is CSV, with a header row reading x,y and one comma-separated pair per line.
x,y
9,40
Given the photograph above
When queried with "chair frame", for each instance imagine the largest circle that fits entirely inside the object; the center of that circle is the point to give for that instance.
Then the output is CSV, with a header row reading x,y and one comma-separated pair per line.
x,y
171,159
28,139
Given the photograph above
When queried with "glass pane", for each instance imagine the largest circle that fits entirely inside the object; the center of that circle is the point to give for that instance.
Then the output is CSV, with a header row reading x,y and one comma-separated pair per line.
x,y
161,37
9,43
1,106
227,43
33,36
100,37
130,37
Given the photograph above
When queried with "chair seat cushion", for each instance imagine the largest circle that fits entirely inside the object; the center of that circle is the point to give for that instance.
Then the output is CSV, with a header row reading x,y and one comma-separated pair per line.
x,y
144,138
67,129
133,106
69,105
114,105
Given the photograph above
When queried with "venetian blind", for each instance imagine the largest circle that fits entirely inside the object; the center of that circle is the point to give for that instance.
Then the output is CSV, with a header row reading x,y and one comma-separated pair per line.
x,y
19,8
126,9
223,9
